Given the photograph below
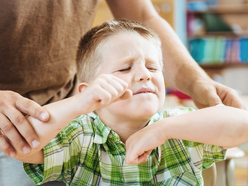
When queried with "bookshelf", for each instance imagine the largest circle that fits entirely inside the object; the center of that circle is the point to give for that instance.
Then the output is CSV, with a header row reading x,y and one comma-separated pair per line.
x,y
217,34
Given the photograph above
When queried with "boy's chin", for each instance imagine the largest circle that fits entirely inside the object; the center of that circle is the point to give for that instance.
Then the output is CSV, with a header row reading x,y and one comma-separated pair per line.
x,y
145,114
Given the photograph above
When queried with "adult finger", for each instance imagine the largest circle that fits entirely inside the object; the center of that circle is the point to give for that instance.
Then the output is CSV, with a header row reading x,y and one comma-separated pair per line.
x,y
19,131
11,133
213,99
32,108
5,146
210,98
231,98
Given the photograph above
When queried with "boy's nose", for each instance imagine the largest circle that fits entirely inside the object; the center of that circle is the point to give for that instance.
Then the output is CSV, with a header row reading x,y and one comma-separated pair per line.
x,y
143,75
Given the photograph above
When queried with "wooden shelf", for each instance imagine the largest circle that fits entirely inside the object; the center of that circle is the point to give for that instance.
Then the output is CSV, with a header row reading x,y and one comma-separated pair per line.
x,y
217,34
224,65
224,9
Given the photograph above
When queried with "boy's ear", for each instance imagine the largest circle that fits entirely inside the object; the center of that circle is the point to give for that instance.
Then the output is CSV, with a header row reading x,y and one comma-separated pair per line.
x,y
82,86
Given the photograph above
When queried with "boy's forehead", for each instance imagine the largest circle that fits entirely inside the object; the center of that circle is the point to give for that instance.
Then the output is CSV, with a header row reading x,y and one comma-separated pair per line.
x,y
124,43
122,36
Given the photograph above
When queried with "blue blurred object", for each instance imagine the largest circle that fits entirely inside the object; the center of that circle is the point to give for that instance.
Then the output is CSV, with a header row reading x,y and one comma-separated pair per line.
x,y
196,48
212,2
201,5
243,50
197,6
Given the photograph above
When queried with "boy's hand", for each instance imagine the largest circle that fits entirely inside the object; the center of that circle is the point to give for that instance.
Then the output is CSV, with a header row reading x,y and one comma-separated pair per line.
x,y
140,144
104,90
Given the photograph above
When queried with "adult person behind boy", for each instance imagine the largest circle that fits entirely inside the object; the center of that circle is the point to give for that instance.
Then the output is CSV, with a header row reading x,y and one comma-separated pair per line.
x,y
122,90
36,36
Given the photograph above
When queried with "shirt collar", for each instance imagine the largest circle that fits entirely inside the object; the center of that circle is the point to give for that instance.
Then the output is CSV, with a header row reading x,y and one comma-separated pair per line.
x,y
103,132
100,129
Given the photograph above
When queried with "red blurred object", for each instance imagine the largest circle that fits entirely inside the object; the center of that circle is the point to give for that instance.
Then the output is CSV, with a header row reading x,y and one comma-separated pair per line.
x,y
178,93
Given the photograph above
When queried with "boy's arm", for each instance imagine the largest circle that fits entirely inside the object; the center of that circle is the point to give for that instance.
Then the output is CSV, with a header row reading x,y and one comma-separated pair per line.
x,y
221,126
180,69
104,90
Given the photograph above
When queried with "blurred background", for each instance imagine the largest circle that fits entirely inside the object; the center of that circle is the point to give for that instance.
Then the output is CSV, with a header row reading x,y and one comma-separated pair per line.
x,y
216,35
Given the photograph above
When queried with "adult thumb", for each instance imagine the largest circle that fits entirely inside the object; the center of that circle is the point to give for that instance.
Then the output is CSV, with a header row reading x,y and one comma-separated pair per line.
x,y
213,99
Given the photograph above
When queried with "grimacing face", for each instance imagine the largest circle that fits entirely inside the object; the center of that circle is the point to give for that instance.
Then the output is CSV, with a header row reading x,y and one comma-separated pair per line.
x,y
136,60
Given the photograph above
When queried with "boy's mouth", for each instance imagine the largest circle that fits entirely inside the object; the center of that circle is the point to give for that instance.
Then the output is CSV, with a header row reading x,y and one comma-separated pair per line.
x,y
144,91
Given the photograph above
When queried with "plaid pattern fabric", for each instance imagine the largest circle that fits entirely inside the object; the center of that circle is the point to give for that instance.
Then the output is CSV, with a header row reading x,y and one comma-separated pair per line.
x,y
88,153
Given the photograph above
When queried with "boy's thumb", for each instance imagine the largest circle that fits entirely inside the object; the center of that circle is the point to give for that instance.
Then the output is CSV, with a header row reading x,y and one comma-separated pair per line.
x,y
127,94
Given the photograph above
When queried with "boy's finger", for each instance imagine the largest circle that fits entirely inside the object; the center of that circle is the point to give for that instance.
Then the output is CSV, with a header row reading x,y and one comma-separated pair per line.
x,y
114,91
110,89
121,81
137,159
132,156
131,161
144,157
117,84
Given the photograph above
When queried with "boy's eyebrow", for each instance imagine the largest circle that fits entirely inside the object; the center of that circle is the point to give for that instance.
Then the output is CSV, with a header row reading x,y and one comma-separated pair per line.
x,y
150,60
132,58
126,60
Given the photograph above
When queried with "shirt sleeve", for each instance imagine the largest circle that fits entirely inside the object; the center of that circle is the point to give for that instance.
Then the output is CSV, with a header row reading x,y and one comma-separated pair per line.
x,y
203,155
60,156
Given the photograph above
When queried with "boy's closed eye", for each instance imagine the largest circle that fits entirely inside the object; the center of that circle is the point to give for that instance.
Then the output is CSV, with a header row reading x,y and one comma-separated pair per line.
x,y
152,69
129,68
125,69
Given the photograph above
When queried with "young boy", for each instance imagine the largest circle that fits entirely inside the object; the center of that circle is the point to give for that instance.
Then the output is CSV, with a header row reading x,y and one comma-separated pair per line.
x,y
122,90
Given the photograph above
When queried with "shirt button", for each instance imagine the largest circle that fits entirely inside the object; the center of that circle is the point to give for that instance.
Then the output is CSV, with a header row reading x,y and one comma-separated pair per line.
x,y
110,135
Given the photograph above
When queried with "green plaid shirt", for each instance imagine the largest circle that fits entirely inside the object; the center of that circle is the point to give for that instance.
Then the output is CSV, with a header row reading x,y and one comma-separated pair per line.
x,y
87,152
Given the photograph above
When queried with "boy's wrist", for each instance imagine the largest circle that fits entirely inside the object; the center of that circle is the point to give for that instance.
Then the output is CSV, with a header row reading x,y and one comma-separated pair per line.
x,y
83,105
162,131
167,130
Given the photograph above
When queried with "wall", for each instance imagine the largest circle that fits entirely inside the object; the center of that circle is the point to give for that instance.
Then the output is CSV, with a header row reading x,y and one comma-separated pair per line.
x,y
163,7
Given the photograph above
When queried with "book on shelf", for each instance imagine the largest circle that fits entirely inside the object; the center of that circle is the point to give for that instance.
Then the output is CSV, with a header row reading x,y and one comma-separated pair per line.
x,y
219,50
207,23
244,49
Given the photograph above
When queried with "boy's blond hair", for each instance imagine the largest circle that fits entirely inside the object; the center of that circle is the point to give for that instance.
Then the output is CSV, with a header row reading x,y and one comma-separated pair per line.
x,y
89,56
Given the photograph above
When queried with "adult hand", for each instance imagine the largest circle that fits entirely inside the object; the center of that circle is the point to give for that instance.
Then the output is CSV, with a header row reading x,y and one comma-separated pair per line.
x,y
207,92
15,130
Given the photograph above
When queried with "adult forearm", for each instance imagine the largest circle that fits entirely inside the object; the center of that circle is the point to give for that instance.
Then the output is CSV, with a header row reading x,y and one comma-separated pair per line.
x,y
222,126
